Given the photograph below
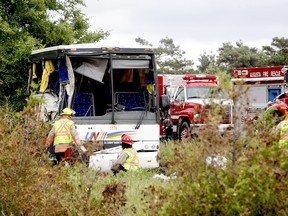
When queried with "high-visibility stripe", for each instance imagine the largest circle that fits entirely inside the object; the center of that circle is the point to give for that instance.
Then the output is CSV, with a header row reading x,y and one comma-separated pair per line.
x,y
132,161
62,131
284,136
64,125
283,141
61,148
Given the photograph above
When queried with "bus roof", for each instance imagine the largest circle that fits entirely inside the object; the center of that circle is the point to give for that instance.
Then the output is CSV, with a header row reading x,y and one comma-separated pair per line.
x,y
89,49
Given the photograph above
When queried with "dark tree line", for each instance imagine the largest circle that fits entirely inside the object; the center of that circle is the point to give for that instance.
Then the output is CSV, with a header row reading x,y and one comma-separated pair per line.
x,y
239,55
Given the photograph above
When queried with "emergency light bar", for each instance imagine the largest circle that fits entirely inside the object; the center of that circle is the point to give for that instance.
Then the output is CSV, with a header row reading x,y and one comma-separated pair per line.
x,y
110,48
209,77
118,49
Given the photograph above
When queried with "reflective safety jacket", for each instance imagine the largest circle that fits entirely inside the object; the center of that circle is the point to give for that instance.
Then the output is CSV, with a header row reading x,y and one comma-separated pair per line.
x,y
283,141
63,132
132,162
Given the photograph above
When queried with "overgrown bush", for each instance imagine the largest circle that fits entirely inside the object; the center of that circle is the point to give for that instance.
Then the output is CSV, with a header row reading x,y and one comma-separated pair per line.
x,y
253,180
255,185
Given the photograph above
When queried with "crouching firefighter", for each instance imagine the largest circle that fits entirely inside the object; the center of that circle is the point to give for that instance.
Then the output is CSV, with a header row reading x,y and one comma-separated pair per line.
x,y
62,136
128,159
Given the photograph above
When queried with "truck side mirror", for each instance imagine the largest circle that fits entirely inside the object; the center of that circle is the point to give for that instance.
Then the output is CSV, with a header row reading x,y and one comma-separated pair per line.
x,y
164,102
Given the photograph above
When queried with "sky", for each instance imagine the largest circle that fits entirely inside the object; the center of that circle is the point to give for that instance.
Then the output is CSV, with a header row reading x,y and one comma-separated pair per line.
x,y
196,26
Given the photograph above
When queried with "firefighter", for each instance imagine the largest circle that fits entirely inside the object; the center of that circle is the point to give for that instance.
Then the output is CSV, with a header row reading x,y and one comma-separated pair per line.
x,y
282,129
61,137
128,159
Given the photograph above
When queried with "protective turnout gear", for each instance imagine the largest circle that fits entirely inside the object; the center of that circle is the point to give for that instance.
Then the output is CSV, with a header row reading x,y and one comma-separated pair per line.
x,y
68,111
62,131
52,156
283,141
128,159
62,136
127,139
132,162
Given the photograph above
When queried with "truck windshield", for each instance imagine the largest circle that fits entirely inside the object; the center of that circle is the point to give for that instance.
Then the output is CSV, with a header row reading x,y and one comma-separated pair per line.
x,y
204,92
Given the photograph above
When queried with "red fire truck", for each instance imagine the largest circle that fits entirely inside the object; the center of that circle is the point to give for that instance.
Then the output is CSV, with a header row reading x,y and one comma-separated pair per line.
x,y
257,88
279,105
190,102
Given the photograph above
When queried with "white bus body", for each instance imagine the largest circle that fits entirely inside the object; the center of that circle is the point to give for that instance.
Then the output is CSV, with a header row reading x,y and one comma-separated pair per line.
x,y
114,91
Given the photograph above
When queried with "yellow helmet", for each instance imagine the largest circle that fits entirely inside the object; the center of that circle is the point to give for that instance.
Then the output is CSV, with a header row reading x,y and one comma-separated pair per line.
x,y
67,111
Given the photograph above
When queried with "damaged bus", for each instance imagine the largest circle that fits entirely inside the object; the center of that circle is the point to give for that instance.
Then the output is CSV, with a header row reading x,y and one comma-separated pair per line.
x,y
113,90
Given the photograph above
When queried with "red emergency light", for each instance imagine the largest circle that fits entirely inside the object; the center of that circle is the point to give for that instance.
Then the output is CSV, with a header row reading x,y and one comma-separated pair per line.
x,y
208,77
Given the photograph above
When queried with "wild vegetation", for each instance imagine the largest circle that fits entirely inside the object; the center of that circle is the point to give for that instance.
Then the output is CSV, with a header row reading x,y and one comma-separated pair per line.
x,y
241,173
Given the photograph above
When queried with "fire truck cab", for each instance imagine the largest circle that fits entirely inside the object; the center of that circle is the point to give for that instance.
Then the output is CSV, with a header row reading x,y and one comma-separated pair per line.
x,y
192,99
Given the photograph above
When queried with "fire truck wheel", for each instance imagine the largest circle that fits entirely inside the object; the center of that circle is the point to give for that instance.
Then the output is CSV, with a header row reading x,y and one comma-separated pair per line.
x,y
183,130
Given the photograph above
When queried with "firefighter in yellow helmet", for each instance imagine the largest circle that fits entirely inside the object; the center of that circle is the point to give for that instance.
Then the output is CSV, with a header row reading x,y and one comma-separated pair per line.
x,y
62,136
128,159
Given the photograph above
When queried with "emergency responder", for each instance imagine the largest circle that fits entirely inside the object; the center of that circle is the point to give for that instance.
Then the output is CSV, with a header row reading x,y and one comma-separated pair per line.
x,y
282,129
62,136
128,159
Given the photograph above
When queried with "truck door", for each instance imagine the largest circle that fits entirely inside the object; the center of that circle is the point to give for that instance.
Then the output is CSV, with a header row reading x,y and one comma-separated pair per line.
x,y
177,104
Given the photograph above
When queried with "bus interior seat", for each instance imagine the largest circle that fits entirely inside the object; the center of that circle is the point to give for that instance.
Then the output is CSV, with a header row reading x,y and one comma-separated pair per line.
x,y
84,104
131,100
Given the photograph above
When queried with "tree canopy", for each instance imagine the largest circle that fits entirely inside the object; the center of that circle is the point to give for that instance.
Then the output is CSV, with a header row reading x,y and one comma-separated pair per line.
x,y
28,25
169,57
240,55
207,63
277,52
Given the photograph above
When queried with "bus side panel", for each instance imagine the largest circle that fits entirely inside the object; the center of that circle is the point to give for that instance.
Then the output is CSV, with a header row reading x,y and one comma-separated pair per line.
x,y
147,135
103,161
